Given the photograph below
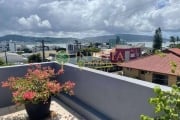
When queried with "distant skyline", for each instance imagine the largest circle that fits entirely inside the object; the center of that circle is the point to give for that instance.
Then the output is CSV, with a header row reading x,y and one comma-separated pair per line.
x,y
86,18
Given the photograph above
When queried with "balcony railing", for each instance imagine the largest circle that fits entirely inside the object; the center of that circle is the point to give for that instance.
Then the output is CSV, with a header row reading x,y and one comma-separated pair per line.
x,y
98,94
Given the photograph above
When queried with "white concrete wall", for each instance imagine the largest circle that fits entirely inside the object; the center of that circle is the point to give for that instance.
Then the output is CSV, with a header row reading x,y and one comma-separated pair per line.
x,y
117,97
112,96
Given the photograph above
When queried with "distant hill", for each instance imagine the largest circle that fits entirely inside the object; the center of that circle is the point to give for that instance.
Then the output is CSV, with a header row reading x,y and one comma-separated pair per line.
x,y
21,38
126,37
105,38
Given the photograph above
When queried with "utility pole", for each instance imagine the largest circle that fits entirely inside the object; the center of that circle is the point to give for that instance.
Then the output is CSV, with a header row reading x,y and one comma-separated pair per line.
x,y
6,57
43,54
5,54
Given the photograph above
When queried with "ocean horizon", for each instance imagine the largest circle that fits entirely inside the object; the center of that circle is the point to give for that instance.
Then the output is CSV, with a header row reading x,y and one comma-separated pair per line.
x,y
63,45
150,44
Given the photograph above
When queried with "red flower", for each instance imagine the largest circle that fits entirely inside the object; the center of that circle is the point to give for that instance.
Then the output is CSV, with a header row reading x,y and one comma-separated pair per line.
x,y
54,87
37,85
61,71
68,87
5,84
29,95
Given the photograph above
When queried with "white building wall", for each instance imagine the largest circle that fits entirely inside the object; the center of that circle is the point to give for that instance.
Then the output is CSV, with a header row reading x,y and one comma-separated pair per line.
x,y
3,46
12,46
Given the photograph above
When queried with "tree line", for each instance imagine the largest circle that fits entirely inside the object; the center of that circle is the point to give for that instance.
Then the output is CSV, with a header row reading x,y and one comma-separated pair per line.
x,y
158,39
174,41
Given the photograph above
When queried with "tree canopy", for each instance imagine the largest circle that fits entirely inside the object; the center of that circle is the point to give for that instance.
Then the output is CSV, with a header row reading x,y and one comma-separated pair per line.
x,y
1,62
157,41
34,58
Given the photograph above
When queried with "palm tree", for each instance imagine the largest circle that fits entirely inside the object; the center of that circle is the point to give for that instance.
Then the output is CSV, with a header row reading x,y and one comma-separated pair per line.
x,y
177,39
172,39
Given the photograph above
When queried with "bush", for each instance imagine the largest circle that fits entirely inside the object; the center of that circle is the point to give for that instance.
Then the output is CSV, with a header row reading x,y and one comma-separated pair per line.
x,y
34,58
166,104
1,62
37,85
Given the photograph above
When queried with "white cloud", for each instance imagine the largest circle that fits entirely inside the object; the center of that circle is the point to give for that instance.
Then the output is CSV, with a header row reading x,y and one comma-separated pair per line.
x,y
33,22
93,17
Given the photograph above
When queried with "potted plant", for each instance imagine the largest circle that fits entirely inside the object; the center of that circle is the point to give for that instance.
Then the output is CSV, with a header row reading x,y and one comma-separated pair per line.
x,y
35,89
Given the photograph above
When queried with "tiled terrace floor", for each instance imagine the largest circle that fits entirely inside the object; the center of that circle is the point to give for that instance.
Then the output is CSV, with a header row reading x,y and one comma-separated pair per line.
x,y
59,111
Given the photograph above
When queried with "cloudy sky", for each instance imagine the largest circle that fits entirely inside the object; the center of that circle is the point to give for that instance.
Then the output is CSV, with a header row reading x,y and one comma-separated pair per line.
x,y
82,18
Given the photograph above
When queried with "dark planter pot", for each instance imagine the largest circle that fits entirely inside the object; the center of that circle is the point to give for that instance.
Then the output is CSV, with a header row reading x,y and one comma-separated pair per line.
x,y
38,111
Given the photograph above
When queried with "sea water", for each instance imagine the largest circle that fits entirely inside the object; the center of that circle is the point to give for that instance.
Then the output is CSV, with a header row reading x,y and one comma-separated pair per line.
x,y
150,44
62,45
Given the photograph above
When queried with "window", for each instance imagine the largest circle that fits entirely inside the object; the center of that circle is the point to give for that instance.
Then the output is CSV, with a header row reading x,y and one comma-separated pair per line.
x,y
143,72
129,69
160,79
132,55
178,81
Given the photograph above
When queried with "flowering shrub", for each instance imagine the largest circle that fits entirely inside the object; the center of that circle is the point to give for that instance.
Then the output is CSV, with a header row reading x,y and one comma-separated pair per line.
x,y
37,85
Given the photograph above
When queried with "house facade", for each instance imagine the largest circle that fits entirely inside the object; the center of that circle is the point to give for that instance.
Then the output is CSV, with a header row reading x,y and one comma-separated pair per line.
x,y
154,77
155,68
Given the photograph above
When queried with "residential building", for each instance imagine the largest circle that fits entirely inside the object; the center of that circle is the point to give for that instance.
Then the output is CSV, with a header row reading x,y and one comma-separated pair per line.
x,y
13,58
73,48
12,46
125,53
146,51
114,42
8,46
4,46
39,48
103,54
175,51
49,54
155,68
104,46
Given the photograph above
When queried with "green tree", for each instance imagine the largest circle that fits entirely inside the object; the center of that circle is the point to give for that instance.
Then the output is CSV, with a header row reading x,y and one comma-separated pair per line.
x,y
34,58
27,50
173,40
93,49
157,41
89,51
1,62
166,104
59,49
91,44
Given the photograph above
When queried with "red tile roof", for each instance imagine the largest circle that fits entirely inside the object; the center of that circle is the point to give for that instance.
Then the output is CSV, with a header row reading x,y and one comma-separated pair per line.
x,y
175,50
155,63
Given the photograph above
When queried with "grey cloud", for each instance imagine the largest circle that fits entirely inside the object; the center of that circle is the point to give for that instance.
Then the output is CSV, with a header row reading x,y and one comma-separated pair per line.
x,y
87,17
